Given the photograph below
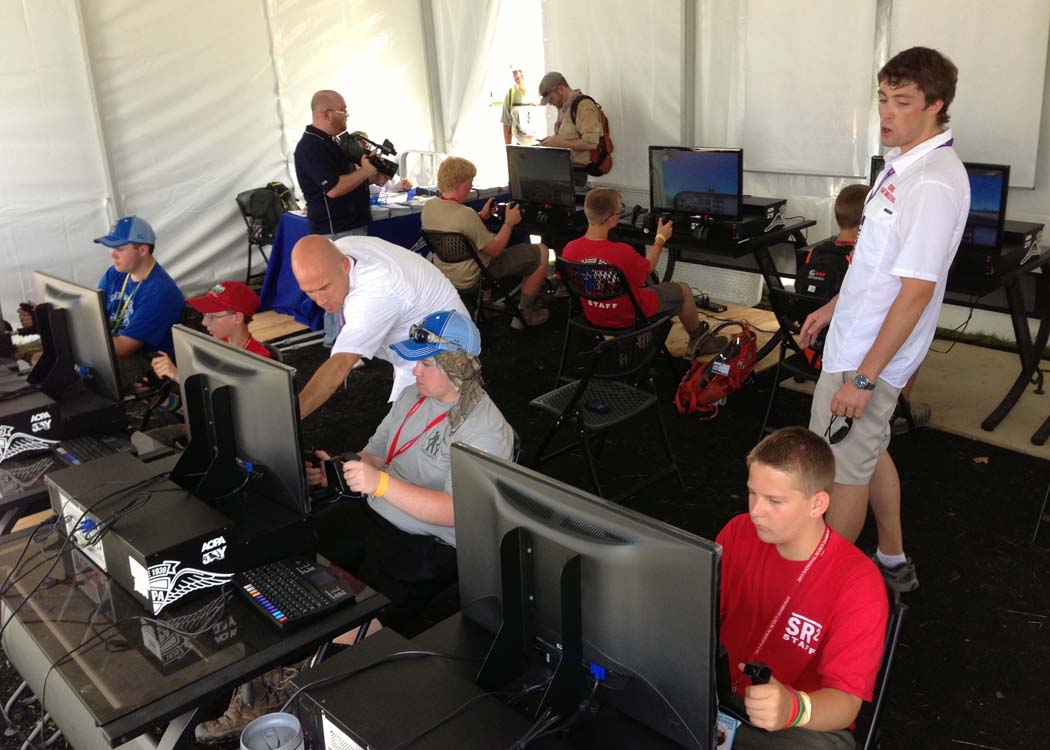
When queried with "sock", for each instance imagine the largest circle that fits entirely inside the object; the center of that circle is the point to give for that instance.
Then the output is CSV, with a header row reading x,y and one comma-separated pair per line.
x,y
890,561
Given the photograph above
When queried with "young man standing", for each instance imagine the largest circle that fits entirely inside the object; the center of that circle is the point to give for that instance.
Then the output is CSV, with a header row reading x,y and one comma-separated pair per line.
x,y
884,318
799,598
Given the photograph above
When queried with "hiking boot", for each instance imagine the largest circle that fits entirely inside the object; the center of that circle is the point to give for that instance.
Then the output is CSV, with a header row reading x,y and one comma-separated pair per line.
x,y
901,578
920,417
712,345
264,694
533,316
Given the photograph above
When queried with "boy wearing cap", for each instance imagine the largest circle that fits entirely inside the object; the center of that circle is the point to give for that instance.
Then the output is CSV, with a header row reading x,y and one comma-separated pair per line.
x,y
142,300
401,539
228,308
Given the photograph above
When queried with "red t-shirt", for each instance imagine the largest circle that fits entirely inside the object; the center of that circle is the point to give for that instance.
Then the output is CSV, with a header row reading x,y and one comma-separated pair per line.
x,y
254,347
615,313
831,633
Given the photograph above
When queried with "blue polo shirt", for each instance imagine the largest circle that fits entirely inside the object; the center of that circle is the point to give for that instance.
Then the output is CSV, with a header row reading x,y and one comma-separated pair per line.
x,y
319,162
155,306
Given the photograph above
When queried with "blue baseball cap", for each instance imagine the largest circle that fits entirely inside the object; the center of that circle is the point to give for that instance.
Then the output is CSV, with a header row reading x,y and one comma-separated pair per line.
x,y
129,229
458,332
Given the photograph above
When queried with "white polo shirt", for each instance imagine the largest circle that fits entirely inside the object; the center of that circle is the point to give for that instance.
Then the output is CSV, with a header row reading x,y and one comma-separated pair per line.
x,y
912,224
391,289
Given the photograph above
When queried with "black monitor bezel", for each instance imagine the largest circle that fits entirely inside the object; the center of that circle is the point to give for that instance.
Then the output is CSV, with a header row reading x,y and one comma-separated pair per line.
x,y
570,175
740,179
969,165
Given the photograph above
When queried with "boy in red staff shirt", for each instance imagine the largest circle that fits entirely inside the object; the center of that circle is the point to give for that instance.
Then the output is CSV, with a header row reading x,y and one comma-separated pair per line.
x,y
603,207
228,308
800,598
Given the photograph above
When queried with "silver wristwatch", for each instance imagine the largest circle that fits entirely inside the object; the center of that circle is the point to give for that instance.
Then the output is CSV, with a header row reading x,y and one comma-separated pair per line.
x,y
861,383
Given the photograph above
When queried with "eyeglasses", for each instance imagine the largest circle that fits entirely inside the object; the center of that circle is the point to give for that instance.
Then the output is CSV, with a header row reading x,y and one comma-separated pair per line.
x,y
342,111
421,335
216,316
840,434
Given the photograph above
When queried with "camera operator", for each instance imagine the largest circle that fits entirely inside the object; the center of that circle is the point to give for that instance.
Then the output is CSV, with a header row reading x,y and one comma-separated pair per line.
x,y
380,184
334,186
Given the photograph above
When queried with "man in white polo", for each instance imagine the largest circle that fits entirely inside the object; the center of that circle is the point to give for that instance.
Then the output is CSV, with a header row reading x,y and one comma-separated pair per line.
x,y
885,316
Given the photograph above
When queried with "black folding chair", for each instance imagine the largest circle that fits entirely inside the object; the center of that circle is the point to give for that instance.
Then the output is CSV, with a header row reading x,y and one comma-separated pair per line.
x,y
616,386
597,282
261,210
866,731
453,247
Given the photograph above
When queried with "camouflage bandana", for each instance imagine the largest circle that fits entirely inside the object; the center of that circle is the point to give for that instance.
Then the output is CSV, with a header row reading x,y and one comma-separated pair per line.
x,y
464,372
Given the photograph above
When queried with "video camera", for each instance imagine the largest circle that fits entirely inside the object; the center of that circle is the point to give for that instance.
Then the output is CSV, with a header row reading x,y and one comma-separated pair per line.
x,y
351,145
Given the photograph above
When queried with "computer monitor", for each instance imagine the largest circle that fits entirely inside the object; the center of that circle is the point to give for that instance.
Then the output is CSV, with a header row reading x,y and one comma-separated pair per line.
x,y
697,181
563,574
242,415
541,175
84,330
989,185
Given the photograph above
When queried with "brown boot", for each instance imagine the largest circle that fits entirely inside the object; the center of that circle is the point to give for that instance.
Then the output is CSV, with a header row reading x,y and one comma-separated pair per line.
x,y
264,694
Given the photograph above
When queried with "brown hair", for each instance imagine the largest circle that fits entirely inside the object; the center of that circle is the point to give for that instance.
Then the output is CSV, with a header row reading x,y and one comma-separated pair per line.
x,y
600,204
932,73
453,172
802,454
849,206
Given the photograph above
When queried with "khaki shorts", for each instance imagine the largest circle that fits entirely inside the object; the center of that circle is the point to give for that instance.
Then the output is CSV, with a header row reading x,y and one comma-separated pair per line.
x,y
516,260
669,295
857,453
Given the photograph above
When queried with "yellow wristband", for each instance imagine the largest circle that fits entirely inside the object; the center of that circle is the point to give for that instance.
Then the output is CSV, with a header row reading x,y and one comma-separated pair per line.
x,y
807,708
384,482
659,238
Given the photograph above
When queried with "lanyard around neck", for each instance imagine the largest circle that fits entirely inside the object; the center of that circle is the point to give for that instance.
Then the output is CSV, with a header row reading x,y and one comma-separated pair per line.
x,y
127,300
394,451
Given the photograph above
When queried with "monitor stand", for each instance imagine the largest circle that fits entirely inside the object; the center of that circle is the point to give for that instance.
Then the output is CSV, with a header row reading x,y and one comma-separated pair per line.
x,y
507,659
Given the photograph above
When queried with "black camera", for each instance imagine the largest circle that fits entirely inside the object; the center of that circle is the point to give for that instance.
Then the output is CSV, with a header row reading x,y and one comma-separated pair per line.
x,y
354,148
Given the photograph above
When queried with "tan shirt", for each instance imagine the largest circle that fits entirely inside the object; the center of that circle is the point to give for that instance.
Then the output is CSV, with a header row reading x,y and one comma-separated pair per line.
x,y
588,126
440,215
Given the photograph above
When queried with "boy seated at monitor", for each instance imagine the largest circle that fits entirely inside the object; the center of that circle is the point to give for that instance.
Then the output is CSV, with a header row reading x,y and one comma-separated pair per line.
x,y
455,181
228,308
799,598
603,207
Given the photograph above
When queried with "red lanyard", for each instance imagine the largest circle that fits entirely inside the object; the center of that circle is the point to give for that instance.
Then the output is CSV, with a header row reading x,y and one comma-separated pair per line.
x,y
818,552
394,451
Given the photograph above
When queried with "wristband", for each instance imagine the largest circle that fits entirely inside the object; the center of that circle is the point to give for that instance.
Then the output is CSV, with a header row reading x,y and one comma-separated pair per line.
x,y
796,709
659,238
384,482
807,709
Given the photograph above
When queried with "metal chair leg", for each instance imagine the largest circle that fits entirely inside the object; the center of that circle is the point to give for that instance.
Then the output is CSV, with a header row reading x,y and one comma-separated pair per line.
x,y
1042,515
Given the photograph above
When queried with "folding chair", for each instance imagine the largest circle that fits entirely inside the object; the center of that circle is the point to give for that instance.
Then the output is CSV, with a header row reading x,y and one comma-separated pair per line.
x,y
616,386
866,732
261,210
597,282
791,310
421,167
453,247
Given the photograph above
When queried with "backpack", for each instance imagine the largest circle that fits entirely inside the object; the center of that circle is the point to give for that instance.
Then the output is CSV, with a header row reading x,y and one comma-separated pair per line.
x,y
288,199
821,273
707,384
601,155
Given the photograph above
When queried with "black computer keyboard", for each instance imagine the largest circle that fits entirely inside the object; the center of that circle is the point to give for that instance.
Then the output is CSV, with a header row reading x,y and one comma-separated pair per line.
x,y
292,591
81,450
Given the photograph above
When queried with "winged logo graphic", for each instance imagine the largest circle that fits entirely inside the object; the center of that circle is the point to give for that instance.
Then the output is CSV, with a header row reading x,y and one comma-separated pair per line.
x,y
12,443
168,584
22,476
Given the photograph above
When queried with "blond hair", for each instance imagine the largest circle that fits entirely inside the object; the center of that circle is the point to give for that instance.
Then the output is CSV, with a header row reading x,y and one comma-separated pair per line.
x,y
453,172
600,204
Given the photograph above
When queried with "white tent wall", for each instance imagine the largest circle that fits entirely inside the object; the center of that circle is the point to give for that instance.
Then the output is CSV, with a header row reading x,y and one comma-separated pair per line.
x,y
186,93
372,52
52,184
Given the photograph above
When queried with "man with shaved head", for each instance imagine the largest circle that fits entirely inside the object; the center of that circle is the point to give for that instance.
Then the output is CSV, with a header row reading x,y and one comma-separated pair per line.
x,y
377,291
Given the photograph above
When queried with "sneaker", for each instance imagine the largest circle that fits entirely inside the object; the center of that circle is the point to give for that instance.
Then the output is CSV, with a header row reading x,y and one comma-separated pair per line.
x,y
901,578
920,417
264,694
